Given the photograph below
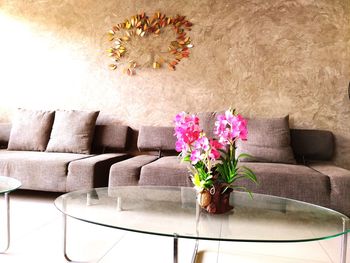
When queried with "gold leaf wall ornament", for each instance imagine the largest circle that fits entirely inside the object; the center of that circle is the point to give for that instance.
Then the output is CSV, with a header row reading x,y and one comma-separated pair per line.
x,y
153,42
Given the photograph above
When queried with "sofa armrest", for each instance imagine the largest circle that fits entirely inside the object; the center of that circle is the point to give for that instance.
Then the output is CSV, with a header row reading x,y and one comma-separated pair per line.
x,y
340,185
92,171
128,172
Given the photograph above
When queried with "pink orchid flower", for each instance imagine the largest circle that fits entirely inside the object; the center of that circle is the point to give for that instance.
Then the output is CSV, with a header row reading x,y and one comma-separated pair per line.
x,y
214,147
202,143
195,156
229,127
181,146
186,130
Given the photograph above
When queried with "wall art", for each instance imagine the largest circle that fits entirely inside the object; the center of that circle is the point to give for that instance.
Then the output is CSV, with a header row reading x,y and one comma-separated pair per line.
x,y
155,42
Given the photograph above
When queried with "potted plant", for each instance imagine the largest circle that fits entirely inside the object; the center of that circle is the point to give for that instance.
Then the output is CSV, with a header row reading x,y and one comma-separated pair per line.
x,y
213,163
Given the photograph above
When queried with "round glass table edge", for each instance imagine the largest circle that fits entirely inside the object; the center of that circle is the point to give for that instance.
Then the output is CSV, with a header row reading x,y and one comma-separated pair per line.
x,y
344,217
211,238
14,184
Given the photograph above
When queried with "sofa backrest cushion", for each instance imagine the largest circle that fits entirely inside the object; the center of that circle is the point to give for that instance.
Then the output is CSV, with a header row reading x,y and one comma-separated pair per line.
x,y
5,130
107,137
30,130
312,144
156,139
268,141
110,137
72,131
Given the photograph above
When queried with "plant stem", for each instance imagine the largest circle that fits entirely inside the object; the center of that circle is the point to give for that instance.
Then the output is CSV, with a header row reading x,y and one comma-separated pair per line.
x,y
234,151
208,164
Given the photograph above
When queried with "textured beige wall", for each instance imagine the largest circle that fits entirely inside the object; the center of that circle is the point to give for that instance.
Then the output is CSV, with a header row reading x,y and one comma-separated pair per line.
x,y
265,58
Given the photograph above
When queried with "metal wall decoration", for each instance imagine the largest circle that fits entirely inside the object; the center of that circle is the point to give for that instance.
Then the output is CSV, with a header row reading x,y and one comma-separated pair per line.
x,y
154,42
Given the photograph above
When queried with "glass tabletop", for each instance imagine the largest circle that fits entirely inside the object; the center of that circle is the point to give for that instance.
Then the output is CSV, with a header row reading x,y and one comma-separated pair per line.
x,y
8,184
170,211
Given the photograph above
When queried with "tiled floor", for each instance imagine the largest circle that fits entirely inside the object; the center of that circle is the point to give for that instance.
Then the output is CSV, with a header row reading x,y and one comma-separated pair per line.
x,y
37,237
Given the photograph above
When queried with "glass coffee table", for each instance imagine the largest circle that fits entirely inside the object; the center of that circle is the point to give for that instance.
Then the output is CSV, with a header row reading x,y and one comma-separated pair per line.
x,y
174,212
7,185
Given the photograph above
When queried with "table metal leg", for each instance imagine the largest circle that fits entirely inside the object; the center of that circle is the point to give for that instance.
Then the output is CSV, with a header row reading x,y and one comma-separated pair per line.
x,y
7,203
195,251
65,241
65,238
175,248
344,241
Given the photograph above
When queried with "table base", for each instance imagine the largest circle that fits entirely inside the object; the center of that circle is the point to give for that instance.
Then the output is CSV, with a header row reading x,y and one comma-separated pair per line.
x,y
344,243
7,203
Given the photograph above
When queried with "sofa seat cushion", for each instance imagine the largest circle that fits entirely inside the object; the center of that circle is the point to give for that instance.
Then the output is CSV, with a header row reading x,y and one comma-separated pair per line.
x,y
291,181
92,172
167,170
38,170
127,172
340,185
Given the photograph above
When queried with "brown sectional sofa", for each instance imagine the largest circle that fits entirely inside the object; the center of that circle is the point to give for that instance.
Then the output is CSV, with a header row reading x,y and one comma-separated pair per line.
x,y
312,179
62,172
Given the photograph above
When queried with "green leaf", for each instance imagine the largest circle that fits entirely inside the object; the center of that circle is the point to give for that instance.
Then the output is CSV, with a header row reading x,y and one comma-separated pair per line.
x,y
227,187
243,188
237,178
249,173
244,155
196,180
187,158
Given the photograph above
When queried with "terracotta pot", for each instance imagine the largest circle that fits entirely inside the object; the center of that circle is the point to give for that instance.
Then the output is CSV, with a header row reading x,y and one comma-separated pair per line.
x,y
214,201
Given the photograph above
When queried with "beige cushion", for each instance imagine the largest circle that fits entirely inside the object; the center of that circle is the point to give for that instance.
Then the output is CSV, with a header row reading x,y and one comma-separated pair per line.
x,y
156,138
30,130
167,170
268,141
38,170
72,131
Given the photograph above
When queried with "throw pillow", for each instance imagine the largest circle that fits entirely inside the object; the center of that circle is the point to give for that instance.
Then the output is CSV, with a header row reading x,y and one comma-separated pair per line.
x,y
72,131
268,141
30,130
